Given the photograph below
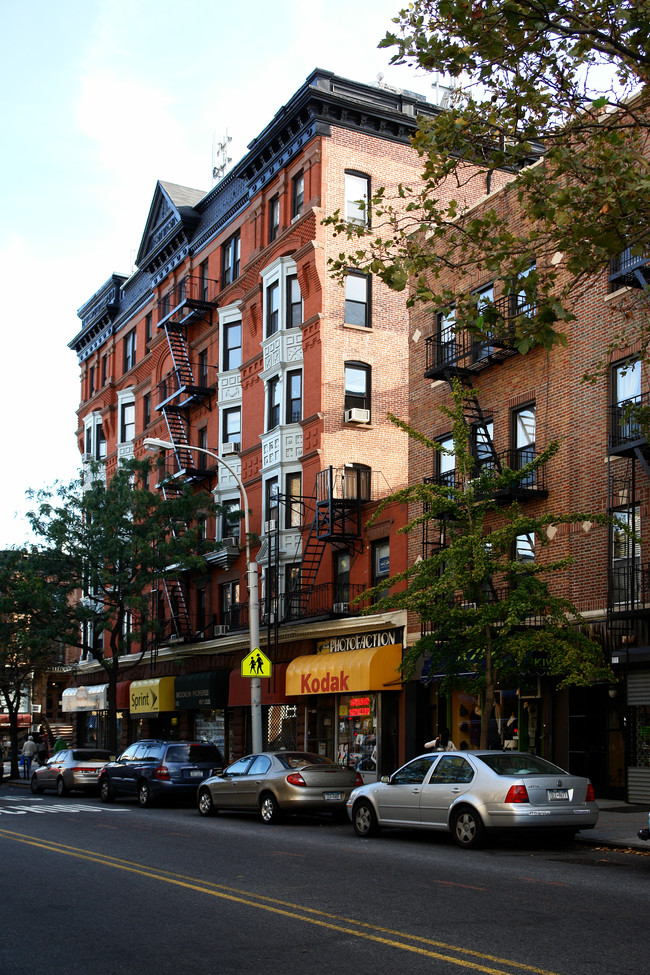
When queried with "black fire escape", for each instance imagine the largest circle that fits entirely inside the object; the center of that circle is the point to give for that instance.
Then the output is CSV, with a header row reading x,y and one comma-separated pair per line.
x,y
333,514
187,384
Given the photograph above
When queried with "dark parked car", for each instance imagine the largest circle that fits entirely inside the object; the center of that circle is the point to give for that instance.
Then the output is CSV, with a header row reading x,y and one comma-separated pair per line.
x,y
154,769
71,768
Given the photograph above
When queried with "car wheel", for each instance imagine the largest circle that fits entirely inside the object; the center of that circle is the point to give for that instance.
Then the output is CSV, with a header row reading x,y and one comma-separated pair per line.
x,y
61,788
364,819
144,794
467,827
269,809
106,793
205,803
35,787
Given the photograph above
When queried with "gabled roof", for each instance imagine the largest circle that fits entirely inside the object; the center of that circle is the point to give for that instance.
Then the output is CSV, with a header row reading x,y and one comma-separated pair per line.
x,y
171,210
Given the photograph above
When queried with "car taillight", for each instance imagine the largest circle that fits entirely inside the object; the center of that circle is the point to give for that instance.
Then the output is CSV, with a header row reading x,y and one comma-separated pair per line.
x,y
296,779
358,781
591,795
162,772
80,768
517,793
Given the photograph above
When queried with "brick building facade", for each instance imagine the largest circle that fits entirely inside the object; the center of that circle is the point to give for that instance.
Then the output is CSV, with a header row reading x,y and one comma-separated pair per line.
x,y
232,336
525,402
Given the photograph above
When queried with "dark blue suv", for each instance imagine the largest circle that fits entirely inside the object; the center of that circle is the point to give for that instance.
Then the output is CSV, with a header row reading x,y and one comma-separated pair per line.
x,y
153,769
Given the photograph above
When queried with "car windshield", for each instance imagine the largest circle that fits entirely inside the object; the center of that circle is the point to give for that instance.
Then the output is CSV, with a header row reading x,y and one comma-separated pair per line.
x,y
91,755
194,753
300,759
519,764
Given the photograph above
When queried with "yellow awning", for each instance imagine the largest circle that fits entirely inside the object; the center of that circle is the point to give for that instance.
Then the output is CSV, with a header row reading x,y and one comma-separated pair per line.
x,y
152,696
350,671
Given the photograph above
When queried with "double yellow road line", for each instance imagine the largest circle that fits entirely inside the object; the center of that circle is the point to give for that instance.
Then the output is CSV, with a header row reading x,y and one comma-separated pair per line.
x,y
467,958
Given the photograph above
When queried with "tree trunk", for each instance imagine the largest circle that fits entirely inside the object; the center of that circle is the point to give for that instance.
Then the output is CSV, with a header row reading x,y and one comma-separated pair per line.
x,y
488,702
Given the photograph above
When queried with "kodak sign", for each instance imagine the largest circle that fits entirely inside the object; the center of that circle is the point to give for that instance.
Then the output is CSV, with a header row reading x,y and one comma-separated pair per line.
x,y
374,669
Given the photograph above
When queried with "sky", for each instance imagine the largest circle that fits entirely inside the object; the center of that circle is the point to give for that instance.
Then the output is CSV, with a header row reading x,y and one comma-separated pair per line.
x,y
99,99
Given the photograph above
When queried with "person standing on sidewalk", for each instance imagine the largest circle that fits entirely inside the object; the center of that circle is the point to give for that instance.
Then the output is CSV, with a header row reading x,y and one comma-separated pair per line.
x,y
28,752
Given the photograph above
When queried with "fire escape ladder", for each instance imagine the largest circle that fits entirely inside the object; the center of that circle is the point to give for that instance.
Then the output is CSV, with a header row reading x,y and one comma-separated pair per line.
x,y
476,421
177,602
177,340
298,598
176,426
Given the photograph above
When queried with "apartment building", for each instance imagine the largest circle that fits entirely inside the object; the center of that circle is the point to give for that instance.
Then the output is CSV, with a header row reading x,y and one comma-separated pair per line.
x,y
519,405
232,336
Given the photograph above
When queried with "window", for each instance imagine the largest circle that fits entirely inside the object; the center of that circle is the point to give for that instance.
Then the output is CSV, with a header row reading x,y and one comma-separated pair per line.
x,y
146,410
521,302
229,605
297,194
129,350
294,397
231,426
271,499
626,556
356,482
523,440
231,519
481,348
203,444
148,328
446,462
525,548
89,440
274,218
91,381
203,280
380,565
415,772
272,308
203,368
446,337
200,609
100,443
294,302
626,392
273,403
127,422
357,192
342,564
104,369
293,507
230,260
357,299
232,346
357,386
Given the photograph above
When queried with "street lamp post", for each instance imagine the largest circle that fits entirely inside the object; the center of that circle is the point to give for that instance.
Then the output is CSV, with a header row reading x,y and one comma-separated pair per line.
x,y
153,443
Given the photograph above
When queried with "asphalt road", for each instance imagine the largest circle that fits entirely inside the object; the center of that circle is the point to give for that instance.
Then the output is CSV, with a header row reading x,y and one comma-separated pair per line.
x,y
115,890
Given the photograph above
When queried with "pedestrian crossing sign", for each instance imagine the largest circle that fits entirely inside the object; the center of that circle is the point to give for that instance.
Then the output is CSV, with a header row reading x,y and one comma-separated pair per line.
x,y
256,664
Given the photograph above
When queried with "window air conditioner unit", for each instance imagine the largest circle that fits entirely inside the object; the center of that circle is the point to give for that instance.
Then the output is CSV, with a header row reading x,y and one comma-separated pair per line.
x,y
341,607
230,541
230,448
357,416
219,630
270,525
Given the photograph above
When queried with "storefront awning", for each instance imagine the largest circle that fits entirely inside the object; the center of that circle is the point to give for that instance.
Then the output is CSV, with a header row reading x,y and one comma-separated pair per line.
x,y
272,689
122,695
207,689
93,698
350,671
152,696
24,720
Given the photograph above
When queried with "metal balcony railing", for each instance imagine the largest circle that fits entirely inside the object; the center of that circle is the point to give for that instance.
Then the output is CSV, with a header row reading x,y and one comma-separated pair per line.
x,y
625,426
193,292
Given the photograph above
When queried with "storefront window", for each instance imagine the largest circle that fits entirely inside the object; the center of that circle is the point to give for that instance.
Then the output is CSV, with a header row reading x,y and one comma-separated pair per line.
x,y
357,739
642,736
211,726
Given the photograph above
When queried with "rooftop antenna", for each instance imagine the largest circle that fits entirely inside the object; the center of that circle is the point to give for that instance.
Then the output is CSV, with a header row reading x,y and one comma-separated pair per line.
x,y
220,157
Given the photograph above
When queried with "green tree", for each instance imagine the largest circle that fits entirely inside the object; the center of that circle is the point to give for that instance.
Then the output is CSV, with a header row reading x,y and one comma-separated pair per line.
x,y
30,604
485,610
551,96
111,544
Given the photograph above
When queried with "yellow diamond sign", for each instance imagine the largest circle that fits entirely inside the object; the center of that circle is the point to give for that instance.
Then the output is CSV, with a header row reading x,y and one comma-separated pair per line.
x,y
256,664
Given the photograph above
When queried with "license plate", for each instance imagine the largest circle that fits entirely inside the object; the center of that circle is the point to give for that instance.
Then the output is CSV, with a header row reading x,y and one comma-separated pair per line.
x,y
196,773
333,795
555,794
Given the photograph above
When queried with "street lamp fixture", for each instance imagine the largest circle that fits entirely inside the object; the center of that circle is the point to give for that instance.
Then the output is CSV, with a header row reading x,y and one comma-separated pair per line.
x,y
153,443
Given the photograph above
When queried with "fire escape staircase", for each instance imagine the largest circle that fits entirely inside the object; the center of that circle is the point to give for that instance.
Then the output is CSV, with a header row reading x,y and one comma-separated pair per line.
x,y
336,505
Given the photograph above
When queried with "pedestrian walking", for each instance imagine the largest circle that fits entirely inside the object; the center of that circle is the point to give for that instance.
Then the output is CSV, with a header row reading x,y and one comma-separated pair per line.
x,y
28,752
42,747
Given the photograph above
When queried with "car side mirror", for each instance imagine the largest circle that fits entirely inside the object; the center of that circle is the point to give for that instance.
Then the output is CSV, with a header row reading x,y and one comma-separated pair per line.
x,y
385,779
216,771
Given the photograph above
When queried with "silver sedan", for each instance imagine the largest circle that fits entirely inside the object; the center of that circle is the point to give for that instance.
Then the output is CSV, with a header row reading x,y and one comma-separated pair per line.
x,y
278,782
469,793
71,768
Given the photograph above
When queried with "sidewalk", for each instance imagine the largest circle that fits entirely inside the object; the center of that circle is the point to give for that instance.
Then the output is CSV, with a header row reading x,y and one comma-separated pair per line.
x,y
618,822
